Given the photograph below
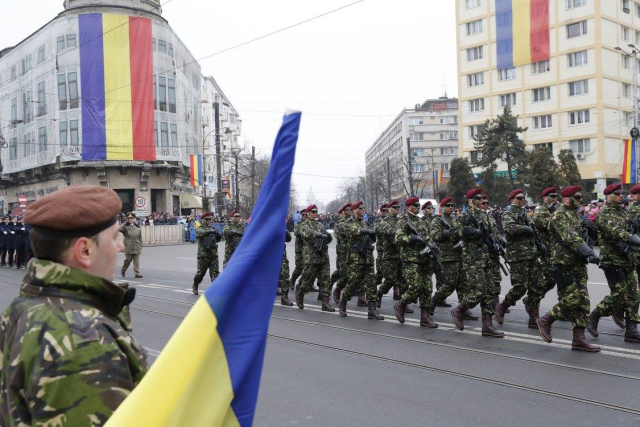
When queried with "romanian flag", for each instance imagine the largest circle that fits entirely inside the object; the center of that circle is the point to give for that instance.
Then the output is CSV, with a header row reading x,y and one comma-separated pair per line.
x,y
629,166
116,75
209,372
522,28
195,164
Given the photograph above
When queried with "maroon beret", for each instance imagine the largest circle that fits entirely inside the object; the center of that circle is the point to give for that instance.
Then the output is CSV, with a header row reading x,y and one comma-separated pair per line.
x,y
356,205
473,192
233,212
611,188
345,206
411,201
303,212
485,197
570,191
79,210
206,215
395,203
310,208
635,189
384,206
548,191
445,201
427,204
515,192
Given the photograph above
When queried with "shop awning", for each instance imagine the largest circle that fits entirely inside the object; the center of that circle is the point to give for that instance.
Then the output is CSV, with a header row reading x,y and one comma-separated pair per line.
x,y
189,201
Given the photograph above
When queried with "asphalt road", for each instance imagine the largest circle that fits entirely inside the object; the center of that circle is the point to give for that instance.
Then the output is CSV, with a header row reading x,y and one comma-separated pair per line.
x,y
323,370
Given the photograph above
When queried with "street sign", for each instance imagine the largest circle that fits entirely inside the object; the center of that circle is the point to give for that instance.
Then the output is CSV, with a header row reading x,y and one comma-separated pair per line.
x,y
22,199
635,133
141,202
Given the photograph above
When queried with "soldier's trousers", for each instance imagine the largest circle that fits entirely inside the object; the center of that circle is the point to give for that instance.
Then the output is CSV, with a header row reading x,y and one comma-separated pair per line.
x,y
136,263
298,269
310,273
207,263
379,275
481,286
624,296
391,270
451,278
418,277
283,281
545,278
340,275
496,278
573,298
524,280
361,276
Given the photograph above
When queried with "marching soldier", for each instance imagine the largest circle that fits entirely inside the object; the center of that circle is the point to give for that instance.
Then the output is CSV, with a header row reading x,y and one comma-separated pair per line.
x,y
427,212
297,271
496,277
616,237
132,244
207,237
412,237
315,254
283,282
570,255
232,235
339,277
474,227
379,249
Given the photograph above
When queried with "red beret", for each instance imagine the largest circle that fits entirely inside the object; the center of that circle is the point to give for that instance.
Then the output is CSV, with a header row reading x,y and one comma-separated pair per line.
x,y
395,203
411,201
445,201
611,188
311,207
635,189
427,204
303,212
485,197
384,206
548,191
356,205
473,192
345,206
570,191
233,212
206,215
515,192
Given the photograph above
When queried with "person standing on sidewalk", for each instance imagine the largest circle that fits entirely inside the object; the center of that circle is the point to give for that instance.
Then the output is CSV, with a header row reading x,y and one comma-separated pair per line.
x,y
132,244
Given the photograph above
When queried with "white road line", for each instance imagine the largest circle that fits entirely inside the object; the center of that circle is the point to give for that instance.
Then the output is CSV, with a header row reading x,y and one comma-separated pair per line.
x,y
152,352
182,257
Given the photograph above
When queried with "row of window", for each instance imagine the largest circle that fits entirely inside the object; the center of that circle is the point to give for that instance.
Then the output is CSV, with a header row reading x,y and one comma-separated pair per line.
x,y
444,151
29,144
574,59
168,135
162,46
416,121
422,167
420,136
164,94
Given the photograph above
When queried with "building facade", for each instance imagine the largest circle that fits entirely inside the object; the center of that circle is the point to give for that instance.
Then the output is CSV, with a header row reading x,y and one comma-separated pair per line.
x,y
415,152
579,96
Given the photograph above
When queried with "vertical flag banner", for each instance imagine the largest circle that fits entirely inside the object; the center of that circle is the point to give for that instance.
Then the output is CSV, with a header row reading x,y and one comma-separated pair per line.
x,y
522,32
116,74
209,372
436,181
195,164
629,166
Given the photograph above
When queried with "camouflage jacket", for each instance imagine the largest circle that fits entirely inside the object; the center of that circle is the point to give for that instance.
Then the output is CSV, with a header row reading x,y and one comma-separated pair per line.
x,y
299,239
410,252
541,221
232,236
634,213
207,235
376,227
310,253
360,246
387,238
612,226
520,247
446,243
132,238
566,230
67,358
474,250
342,241
428,220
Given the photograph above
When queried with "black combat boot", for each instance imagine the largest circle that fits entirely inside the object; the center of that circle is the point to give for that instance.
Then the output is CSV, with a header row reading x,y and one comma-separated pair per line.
x,y
468,315
444,304
194,289
533,313
618,319
284,300
326,305
373,313
594,318
400,308
379,296
631,334
299,298
488,330
501,309
319,297
362,301
458,316
342,307
580,343
544,326
425,319
396,293
336,295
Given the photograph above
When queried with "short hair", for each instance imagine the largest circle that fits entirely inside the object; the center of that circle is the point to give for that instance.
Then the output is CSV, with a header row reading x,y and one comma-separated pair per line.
x,y
52,248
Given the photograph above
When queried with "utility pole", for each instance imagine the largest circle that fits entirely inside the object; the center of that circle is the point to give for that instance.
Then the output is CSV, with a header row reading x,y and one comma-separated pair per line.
x,y
205,199
253,176
237,186
389,179
635,104
409,170
216,107
433,175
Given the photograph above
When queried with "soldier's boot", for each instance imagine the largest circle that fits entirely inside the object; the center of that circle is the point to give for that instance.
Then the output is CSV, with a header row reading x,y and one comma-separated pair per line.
x,y
362,301
592,326
336,295
458,316
396,293
544,326
631,334
299,298
342,307
618,319
468,315
122,272
580,342
373,313
399,309
284,300
444,303
432,306
319,298
139,276
292,283
408,309
500,312
379,296
533,313
194,289
488,330
425,319
326,305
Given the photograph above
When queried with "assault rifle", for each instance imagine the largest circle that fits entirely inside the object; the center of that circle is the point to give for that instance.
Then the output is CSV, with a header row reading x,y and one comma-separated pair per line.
x,y
625,247
431,250
211,240
495,250
365,241
540,246
458,246
321,240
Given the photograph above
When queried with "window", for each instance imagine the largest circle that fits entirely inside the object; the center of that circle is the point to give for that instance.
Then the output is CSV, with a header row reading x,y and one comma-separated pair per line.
x,y
507,74
470,4
475,53
507,100
71,40
42,101
474,27
476,105
29,144
62,91
444,167
548,145
195,80
172,95
449,120
579,117
624,32
174,135
155,92
416,136
638,10
42,139
26,64
473,131
63,134
542,122
581,87
73,89
571,4
162,46
60,43
476,156
475,79
13,73
576,29
628,118
580,145
75,140
418,167
41,54
14,112
27,111
155,130
164,134
415,121
541,94
625,61
418,152
626,90
540,67
13,148
577,59
162,93
171,50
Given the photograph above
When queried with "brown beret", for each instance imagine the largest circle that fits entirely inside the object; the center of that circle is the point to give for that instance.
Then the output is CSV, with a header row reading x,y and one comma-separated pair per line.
x,y
635,189
446,200
611,188
79,210
412,201
515,192
206,215
570,191
548,191
473,192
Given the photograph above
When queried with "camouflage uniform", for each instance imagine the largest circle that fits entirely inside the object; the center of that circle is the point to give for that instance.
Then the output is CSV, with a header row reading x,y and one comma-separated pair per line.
x,y
417,269
360,274
68,358
445,232
283,281
316,264
541,221
342,249
496,275
232,236
299,261
389,265
379,250
132,247
207,235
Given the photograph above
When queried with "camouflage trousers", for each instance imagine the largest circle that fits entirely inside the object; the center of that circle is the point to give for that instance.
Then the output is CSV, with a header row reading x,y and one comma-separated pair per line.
x,y
283,281
545,278
379,275
207,263
525,279
624,296
480,285
340,275
298,269
418,277
451,278
360,276
573,300
321,272
391,270
496,278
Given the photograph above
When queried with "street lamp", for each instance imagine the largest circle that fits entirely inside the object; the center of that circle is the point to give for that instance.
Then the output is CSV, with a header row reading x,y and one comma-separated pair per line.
x,y
634,53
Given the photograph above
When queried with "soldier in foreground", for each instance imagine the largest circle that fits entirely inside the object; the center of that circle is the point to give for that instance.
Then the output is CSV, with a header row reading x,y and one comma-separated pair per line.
x,y
232,235
297,271
283,282
68,357
207,237
384,209
339,277
132,245
570,255
495,275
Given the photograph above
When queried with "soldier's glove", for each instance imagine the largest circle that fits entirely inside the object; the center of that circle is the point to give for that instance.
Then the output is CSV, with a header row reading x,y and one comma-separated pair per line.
x,y
418,240
633,240
287,237
471,231
368,232
329,238
526,230
586,253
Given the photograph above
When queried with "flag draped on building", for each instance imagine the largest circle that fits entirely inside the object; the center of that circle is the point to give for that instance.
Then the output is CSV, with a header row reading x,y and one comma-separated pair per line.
x,y
209,372
195,165
522,32
629,166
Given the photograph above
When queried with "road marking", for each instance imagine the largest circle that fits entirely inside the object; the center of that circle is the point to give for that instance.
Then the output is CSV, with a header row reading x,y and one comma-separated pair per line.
x,y
182,257
152,352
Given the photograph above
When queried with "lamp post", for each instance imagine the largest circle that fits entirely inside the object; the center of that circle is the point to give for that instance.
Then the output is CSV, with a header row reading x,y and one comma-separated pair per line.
x,y
634,54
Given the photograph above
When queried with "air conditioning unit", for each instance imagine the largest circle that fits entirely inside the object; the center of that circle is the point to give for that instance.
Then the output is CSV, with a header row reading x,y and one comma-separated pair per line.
x,y
580,156
626,10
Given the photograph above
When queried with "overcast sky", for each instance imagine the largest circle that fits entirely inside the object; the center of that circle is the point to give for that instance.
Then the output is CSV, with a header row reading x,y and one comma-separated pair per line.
x,y
350,73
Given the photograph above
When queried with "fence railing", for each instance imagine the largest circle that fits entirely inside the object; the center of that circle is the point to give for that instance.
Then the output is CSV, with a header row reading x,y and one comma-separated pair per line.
x,y
162,235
